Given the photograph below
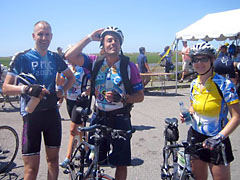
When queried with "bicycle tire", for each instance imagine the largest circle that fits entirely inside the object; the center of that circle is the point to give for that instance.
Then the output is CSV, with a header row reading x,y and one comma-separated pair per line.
x,y
9,144
14,101
74,166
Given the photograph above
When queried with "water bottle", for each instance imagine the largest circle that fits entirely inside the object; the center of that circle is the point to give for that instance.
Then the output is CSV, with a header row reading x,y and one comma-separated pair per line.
x,y
109,83
188,162
186,114
32,104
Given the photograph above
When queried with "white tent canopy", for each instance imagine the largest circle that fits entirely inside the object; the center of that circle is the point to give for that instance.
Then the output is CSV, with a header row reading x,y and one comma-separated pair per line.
x,y
218,26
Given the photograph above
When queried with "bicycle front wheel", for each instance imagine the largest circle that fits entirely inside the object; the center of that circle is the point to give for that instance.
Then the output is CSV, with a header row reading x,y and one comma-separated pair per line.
x,y
9,143
74,165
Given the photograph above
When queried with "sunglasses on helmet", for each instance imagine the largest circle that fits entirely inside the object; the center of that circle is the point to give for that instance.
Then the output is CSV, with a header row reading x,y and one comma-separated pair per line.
x,y
203,59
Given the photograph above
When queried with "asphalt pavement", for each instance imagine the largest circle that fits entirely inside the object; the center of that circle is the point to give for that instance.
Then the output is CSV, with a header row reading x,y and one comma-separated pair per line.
x,y
147,142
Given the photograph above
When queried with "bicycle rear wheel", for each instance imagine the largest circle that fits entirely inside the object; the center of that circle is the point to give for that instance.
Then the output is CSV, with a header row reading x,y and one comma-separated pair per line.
x,y
9,143
14,101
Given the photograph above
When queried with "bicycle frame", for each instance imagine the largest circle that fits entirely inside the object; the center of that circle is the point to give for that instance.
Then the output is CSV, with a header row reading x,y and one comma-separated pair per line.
x,y
184,170
167,153
93,170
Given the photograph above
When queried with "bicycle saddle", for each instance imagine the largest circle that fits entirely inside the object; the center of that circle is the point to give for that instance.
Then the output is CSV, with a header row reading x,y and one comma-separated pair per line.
x,y
171,120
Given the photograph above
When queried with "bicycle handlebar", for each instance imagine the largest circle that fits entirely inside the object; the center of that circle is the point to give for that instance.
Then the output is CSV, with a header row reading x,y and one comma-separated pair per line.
x,y
115,133
189,147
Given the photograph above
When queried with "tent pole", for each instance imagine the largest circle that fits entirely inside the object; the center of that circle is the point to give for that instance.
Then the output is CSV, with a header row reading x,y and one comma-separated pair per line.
x,y
176,49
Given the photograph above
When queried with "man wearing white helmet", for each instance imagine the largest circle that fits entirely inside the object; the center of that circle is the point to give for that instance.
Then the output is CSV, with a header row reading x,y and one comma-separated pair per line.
x,y
111,102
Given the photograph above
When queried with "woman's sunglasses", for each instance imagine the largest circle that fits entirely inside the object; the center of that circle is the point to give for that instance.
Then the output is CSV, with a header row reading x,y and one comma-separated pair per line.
x,y
203,59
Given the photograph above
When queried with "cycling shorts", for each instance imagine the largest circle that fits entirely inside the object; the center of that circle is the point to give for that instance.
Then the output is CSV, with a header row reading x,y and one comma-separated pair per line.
x,y
75,116
46,122
207,155
121,149
70,105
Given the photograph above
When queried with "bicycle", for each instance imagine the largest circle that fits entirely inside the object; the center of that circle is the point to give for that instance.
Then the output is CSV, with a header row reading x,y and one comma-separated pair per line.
x,y
14,101
81,169
176,157
9,144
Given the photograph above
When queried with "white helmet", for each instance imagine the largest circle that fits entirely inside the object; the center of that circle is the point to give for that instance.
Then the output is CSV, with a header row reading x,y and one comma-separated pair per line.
x,y
202,49
112,29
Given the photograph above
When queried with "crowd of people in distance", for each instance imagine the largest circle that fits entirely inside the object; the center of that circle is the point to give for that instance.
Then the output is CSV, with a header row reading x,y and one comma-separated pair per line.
x,y
116,84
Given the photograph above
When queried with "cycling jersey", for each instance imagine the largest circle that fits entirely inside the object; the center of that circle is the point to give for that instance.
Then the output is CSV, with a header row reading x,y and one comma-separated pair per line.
x,y
210,104
116,80
77,87
44,68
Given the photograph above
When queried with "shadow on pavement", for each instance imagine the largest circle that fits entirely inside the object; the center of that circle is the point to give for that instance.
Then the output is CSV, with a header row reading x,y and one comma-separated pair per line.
x,y
142,127
136,162
159,93
9,176
9,110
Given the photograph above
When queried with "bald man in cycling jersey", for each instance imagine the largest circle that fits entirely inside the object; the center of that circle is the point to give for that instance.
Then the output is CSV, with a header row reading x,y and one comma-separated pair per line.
x,y
45,119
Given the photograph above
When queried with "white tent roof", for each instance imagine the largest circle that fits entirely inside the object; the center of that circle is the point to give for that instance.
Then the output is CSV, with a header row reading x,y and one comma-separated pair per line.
x,y
218,26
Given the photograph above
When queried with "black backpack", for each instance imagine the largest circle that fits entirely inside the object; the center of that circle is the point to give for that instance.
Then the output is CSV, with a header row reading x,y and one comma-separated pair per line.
x,y
124,62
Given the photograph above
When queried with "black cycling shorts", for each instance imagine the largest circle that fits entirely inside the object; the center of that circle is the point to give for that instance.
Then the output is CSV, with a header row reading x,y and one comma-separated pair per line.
x,y
121,149
46,122
206,154
75,116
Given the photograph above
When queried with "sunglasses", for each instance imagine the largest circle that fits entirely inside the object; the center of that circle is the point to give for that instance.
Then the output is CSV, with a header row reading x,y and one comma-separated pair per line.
x,y
204,59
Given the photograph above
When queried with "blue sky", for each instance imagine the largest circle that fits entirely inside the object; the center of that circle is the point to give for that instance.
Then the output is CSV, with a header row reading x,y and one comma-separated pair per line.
x,y
149,23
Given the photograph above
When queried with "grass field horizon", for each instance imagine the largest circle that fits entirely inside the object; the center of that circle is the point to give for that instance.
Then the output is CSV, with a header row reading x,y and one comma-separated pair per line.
x,y
152,57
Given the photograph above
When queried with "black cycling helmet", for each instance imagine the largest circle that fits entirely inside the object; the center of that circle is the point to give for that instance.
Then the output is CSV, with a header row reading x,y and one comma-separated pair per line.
x,y
202,49
109,30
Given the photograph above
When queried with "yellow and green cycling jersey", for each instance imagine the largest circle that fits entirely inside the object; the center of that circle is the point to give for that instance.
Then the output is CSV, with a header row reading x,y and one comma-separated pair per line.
x,y
210,104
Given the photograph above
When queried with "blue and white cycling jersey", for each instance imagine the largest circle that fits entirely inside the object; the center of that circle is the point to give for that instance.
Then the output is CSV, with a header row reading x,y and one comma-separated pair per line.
x,y
44,68
80,83
210,104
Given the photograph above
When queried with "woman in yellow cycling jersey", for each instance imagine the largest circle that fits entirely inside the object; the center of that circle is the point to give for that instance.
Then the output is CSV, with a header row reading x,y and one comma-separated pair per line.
x,y
212,96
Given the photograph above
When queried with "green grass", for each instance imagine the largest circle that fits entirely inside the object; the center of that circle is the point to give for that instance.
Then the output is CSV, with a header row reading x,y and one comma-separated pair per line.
x,y
151,56
5,60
